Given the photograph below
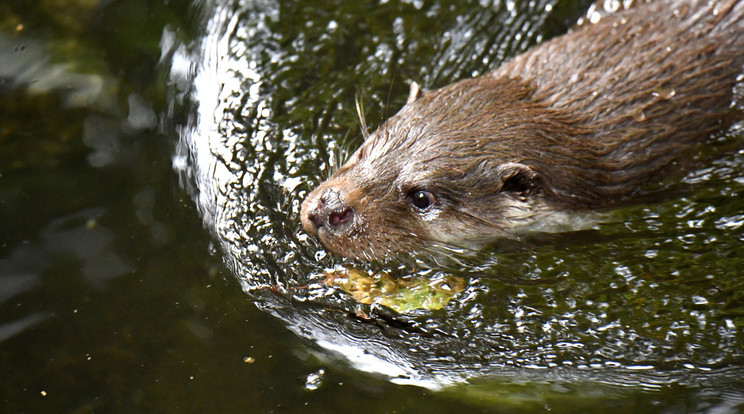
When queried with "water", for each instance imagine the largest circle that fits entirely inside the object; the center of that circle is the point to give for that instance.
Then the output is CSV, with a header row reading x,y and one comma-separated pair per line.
x,y
152,160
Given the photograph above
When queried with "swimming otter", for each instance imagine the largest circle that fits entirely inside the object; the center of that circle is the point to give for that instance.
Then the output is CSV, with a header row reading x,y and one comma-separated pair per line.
x,y
570,125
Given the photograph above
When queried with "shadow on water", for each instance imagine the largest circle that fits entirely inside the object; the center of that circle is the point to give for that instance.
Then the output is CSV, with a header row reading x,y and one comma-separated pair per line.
x,y
644,310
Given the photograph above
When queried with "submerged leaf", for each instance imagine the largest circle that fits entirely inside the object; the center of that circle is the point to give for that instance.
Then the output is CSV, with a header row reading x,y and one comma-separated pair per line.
x,y
400,294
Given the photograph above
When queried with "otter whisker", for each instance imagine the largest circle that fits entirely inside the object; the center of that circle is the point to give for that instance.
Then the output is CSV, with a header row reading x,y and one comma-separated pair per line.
x,y
362,119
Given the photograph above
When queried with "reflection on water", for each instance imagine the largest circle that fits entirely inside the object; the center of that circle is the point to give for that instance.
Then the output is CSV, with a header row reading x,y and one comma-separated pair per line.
x,y
25,66
25,63
76,238
649,300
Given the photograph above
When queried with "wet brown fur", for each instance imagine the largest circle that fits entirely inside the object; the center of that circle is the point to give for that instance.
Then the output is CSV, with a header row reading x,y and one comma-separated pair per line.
x,y
574,124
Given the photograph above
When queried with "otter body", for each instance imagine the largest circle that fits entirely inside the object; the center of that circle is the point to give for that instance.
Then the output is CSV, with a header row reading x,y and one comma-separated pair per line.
x,y
571,125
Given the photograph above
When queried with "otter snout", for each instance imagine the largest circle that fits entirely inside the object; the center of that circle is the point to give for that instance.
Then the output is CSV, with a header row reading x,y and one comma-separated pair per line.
x,y
325,209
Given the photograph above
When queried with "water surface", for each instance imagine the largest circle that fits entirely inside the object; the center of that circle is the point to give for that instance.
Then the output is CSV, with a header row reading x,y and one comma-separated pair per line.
x,y
152,160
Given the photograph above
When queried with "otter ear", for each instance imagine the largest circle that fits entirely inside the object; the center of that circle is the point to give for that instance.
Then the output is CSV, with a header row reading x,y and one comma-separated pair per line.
x,y
517,178
414,93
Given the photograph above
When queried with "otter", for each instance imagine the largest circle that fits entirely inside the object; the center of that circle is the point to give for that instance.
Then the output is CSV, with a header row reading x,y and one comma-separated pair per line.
x,y
572,125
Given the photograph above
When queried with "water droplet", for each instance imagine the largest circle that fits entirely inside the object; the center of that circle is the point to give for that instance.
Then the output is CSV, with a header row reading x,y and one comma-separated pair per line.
x,y
314,380
699,300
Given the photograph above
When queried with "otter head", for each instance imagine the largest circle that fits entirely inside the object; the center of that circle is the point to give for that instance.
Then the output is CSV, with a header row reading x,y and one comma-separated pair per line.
x,y
453,167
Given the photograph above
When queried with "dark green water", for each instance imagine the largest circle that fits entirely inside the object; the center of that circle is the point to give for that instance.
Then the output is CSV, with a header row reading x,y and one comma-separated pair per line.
x,y
152,158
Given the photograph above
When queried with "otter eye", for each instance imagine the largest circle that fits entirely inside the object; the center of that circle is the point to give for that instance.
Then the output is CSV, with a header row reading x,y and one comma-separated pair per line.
x,y
421,199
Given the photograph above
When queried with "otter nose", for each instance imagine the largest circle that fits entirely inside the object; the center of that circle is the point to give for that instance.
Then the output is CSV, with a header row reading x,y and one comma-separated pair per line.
x,y
330,211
